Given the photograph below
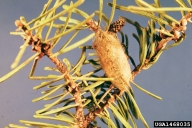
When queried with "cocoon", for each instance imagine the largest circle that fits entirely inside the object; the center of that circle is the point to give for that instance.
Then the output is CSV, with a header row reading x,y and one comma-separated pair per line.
x,y
113,59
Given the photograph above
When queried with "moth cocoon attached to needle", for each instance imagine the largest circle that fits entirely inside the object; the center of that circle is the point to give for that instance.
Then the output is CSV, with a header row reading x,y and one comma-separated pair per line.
x,y
113,59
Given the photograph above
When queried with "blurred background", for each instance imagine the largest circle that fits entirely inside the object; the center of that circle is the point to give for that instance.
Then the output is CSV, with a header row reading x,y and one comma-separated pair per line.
x,y
170,77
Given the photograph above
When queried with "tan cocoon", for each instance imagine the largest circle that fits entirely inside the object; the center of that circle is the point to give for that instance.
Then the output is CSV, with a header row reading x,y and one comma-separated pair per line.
x,y
113,59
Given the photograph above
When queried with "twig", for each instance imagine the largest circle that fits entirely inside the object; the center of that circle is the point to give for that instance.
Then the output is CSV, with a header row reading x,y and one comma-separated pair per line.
x,y
46,49
93,114
177,30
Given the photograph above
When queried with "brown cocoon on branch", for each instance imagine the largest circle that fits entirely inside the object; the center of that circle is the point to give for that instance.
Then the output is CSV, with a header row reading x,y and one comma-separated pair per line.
x,y
113,59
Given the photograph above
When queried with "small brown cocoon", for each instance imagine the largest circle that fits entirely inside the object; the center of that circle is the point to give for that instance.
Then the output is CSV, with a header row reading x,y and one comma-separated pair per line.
x,y
113,59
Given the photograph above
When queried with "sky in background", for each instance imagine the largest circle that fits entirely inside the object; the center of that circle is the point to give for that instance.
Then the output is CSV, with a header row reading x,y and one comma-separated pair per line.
x,y
170,77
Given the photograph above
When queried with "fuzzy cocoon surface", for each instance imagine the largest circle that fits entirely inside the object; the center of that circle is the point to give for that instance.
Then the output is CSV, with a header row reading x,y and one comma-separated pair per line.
x,y
113,59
